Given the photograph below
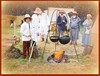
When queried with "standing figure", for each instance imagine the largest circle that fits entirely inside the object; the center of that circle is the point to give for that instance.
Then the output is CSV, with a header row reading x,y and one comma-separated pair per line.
x,y
45,24
87,25
36,22
61,22
74,26
26,34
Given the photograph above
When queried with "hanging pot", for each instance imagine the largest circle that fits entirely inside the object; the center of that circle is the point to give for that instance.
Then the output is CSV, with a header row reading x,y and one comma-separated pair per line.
x,y
54,38
64,39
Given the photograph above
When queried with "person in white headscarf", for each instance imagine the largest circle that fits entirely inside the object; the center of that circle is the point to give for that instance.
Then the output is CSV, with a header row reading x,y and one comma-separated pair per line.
x,y
45,24
36,22
87,25
86,38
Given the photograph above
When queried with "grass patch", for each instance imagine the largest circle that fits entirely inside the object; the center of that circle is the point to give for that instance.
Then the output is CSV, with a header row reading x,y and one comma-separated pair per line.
x,y
18,66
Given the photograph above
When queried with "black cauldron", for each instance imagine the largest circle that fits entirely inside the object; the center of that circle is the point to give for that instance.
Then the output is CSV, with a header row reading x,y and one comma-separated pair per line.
x,y
64,39
54,38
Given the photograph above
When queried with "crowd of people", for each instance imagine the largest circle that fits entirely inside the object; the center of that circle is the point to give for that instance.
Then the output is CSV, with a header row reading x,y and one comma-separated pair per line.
x,y
37,26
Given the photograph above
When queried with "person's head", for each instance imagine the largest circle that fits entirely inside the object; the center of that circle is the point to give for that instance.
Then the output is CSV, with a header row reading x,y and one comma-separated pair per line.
x,y
74,14
89,16
61,12
38,11
27,18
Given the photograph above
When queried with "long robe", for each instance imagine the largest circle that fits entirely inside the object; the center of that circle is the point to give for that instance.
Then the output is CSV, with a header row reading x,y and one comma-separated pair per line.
x,y
74,28
36,27
45,22
86,38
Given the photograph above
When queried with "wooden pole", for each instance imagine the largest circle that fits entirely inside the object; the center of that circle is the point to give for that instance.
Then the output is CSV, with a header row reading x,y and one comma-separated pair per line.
x,y
14,28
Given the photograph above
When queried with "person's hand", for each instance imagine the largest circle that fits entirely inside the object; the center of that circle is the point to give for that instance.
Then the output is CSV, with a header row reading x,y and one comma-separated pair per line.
x,y
29,35
63,20
87,32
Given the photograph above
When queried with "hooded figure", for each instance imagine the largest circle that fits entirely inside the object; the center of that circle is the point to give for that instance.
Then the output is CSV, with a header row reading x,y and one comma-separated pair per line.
x,y
45,23
61,22
75,23
25,31
36,23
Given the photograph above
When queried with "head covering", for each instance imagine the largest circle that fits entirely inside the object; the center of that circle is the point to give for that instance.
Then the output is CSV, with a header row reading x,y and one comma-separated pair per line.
x,y
61,11
27,16
38,11
89,15
74,13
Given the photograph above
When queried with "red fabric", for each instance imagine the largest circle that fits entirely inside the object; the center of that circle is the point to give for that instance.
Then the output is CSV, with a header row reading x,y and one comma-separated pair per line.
x,y
26,45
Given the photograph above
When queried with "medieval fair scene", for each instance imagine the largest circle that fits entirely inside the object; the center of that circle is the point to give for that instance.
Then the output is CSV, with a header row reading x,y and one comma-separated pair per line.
x,y
50,37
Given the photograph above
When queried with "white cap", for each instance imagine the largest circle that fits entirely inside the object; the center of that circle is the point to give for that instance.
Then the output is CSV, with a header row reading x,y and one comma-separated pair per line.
x,y
74,12
89,15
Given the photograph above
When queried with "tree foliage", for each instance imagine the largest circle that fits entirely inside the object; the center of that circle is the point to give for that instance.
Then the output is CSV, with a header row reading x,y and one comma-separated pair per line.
x,y
21,8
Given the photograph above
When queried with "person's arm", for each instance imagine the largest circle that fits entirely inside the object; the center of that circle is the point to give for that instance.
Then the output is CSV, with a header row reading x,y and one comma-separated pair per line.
x,y
89,24
79,24
84,23
70,24
59,20
65,21
48,21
